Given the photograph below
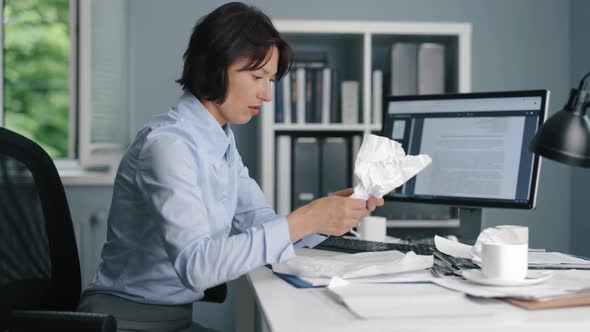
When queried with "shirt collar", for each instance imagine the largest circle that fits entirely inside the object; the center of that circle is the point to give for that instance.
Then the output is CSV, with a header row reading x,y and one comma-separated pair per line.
x,y
220,139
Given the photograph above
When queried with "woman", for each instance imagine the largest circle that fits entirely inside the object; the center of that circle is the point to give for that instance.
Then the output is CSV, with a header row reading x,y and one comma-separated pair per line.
x,y
182,185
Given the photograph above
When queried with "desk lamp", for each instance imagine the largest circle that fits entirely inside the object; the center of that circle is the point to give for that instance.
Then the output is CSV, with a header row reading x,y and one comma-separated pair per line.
x,y
565,137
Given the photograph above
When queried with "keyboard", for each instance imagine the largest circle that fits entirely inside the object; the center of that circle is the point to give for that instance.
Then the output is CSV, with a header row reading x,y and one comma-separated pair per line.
x,y
340,244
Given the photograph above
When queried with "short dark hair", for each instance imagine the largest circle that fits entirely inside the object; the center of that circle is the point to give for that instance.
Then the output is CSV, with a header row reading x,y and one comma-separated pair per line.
x,y
230,32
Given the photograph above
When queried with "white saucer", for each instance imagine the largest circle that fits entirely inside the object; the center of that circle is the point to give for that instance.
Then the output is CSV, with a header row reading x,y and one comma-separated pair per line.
x,y
532,278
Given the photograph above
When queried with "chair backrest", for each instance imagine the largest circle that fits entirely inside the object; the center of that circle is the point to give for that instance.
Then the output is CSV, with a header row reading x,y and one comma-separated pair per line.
x,y
39,264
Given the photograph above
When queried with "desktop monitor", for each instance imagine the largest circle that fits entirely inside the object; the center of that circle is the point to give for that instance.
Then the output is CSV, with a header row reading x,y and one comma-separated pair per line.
x,y
478,143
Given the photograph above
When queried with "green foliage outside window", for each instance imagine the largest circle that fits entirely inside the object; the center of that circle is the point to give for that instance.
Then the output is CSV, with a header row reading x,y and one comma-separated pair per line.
x,y
36,71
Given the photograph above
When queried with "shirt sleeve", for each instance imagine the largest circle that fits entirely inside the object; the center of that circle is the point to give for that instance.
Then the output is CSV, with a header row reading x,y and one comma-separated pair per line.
x,y
253,210
167,177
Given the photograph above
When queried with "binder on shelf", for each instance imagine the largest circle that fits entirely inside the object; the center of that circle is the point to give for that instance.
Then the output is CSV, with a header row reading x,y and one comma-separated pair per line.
x,y
294,96
317,95
279,104
326,95
431,68
335,165
335,110
283,175
404,73
306,170
377,94
309,95
350,102
286,90
300,94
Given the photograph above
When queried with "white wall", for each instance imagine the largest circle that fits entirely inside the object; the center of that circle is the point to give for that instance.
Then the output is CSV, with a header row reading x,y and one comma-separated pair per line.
x,y
525,44
580,40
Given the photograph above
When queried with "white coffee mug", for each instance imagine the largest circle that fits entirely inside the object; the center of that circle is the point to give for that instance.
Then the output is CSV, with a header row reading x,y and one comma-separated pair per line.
x,y
504,261
372,228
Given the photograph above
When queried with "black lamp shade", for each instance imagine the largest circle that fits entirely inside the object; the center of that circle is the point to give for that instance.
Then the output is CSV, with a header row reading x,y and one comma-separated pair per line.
x,y
565,137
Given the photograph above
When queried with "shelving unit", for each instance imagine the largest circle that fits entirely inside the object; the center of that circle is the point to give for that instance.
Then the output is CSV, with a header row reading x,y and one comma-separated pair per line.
x,y
355,49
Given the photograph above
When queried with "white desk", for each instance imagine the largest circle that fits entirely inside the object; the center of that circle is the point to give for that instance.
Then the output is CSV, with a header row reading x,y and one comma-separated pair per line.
x,y
282,307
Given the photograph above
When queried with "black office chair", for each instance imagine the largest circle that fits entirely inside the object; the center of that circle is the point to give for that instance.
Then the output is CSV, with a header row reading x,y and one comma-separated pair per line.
x,y
39,266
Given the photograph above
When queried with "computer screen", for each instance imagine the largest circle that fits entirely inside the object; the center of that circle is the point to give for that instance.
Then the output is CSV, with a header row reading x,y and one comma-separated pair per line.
x,y
478,143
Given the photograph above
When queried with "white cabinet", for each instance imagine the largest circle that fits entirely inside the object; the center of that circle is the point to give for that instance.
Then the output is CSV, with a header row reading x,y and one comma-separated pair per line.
x,y
355,49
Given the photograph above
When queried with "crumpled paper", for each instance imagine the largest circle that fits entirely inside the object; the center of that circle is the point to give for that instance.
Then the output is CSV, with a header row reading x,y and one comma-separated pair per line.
x,y
382,165
509,234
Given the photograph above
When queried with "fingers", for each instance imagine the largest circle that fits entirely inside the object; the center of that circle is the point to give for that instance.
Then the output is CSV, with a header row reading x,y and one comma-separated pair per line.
x,y
343,193
356,210
337,214
373,203
357,204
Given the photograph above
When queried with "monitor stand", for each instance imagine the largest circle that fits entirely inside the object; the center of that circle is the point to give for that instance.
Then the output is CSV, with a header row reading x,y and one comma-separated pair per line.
x,y
470,220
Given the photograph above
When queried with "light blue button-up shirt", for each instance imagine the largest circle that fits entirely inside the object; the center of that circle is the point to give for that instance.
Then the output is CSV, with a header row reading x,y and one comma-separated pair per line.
x,y
179,189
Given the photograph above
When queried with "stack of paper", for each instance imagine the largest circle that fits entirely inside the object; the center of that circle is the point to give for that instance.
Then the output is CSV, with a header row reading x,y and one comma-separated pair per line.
x,y
387,301
318,267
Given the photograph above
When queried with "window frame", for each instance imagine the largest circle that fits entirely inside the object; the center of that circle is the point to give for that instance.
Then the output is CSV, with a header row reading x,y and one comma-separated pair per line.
x,y
77,167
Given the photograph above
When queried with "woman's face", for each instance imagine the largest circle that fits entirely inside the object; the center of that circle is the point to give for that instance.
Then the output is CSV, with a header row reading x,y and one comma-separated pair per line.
x,y
246,90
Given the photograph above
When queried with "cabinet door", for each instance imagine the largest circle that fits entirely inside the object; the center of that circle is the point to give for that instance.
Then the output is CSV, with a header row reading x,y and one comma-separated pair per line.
x,y
93,235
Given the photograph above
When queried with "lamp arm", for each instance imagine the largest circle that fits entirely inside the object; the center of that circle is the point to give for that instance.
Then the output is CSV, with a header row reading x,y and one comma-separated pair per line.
x,y
572,102
582,84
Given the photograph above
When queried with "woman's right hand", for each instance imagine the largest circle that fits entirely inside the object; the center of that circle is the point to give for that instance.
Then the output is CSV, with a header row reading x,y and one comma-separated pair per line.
x,y
332,215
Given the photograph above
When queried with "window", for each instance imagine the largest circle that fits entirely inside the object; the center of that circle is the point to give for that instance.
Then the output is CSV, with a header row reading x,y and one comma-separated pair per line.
x,y
66,77
37,56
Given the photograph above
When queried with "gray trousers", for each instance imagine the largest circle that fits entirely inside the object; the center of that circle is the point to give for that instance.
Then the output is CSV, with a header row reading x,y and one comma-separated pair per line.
x,y
133,316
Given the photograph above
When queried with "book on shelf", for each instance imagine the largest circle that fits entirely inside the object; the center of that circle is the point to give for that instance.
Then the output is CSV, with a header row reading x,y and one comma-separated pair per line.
x,y
335,109
279,104
310,59
283,100
350,102
300,95
293,86
308,93
326,95
317,95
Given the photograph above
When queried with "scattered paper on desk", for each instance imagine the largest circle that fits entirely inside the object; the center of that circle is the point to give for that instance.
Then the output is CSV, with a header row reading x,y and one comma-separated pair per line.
x,y
354,265
387,301
562,283
536,259
382,165
556,259
452,248
403,277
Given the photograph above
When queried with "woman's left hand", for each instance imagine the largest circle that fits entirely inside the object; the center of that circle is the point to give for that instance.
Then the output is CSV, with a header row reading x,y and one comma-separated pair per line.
x,y
372,202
